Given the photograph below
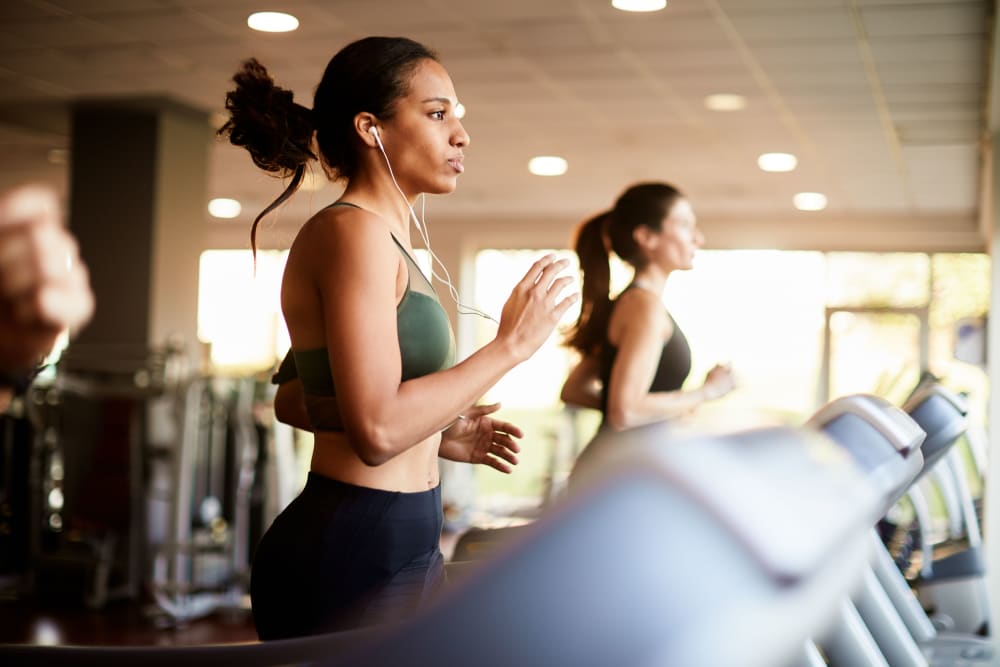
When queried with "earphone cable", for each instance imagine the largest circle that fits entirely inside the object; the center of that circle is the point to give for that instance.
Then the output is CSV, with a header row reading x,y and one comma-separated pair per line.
x,y
425,237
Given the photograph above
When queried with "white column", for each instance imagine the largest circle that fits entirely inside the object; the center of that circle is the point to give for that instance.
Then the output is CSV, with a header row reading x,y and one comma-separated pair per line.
x,y
991,227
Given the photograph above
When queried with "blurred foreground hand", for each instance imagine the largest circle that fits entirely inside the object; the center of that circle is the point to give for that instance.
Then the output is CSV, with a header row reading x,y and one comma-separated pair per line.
x,y
44,286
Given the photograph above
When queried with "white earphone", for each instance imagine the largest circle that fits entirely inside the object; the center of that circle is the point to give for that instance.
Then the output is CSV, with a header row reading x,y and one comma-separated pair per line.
x,y
422,228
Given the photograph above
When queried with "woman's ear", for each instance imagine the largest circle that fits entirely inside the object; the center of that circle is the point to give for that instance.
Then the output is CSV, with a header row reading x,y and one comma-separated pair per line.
x,y
645,237
363,124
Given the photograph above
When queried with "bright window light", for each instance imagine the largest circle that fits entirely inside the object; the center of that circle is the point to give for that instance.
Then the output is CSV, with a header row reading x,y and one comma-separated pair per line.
x,y
639,5
725,102
547,165
810,201
536,383
879,354
239,308
272,22
224,208
777,162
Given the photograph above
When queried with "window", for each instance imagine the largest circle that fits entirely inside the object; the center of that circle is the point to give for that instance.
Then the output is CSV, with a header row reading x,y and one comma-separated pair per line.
x,y
239,311
764,311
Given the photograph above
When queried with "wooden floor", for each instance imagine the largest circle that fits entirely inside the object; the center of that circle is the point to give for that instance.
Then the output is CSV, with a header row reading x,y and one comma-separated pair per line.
x,y
28,620
121,623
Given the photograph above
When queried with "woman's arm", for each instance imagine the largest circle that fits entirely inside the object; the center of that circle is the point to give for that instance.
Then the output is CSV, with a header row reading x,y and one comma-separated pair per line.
x,y
290,405
475,437
353,260
582,387
630,403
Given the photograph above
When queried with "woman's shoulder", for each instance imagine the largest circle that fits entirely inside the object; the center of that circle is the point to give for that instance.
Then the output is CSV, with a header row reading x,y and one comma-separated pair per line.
x,y
342,219
347,227
640,308
640,301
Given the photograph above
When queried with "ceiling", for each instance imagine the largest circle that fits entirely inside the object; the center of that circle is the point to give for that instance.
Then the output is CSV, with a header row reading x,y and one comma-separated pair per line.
x,y
883,101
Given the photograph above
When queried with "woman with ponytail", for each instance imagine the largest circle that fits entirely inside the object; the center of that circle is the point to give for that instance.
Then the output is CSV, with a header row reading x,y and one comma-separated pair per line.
x,y
634,357
372,370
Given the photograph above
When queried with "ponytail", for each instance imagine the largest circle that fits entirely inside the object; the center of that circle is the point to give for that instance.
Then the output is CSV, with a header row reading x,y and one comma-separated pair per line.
x,y
276,131
591,247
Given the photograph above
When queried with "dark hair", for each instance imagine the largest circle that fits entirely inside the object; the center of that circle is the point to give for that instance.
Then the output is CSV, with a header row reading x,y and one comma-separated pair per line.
x,y
644,204
370,75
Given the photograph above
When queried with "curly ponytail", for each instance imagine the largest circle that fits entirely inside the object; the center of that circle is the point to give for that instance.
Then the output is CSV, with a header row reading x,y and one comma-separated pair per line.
x,y
369,75
276,131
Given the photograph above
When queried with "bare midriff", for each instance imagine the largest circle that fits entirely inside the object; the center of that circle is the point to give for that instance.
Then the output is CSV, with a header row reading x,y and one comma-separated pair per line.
x,y
414,470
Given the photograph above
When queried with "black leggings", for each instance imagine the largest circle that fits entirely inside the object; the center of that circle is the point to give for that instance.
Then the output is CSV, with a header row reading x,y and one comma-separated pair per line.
x,y
342,556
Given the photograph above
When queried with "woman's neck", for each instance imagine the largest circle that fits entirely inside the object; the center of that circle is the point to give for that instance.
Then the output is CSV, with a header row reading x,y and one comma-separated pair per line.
x,y
385,201
653,281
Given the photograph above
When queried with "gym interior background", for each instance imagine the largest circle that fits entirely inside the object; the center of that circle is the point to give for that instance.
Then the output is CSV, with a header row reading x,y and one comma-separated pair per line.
x,y
145,465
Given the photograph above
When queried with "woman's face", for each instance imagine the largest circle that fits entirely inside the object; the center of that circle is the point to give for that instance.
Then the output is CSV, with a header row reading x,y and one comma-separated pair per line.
x,y
679,238
425,139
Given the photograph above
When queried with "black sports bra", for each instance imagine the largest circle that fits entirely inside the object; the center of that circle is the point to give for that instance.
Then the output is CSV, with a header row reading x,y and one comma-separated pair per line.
x,y
671,371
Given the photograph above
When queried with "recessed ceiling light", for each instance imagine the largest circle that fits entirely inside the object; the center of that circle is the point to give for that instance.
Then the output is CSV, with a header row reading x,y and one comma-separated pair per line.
x,y
272,22
725,102
639,5
547,165
777,161
224,208
459,110
810,201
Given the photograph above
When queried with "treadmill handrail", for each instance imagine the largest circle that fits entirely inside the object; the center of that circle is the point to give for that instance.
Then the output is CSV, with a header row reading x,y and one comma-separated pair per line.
x,y
935,389
893,423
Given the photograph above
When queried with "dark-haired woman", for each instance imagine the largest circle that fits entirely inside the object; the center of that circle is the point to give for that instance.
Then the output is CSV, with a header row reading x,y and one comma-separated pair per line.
x,y
634,358
372,347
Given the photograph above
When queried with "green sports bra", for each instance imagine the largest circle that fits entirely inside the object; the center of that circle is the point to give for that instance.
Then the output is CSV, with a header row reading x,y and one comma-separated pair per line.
x,y
426,341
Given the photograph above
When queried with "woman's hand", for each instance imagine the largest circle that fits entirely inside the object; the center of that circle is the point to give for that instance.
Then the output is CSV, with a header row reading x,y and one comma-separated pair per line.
x,y
533,308
478,438
718,382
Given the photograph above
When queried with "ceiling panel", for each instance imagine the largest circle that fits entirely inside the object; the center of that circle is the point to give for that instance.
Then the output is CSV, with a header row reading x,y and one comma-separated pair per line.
x,y
969,96
960,18
823,51
763,27
922,74
929,49
620,95
163,27
18,10
771,5
59,32
104,7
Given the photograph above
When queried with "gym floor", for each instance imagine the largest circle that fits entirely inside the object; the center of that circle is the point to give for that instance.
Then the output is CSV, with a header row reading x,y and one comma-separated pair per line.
x,y
123,623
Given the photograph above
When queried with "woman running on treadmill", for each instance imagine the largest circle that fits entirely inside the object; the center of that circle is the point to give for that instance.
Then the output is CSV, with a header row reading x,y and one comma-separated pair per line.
x,y
634,357
373,348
